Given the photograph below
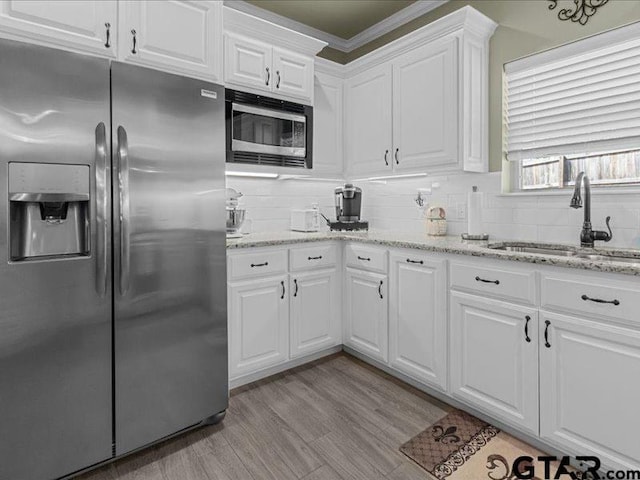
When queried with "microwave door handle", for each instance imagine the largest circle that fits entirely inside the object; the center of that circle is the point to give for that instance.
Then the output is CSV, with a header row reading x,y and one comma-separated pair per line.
x,y
102,201
123,190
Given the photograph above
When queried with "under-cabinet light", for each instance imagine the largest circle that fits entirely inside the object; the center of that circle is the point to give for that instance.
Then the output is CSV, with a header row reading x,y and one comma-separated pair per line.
x,y
251,174
391,177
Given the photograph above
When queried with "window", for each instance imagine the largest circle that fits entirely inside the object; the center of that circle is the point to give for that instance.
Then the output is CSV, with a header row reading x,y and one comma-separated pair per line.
x,y
577,98
561,171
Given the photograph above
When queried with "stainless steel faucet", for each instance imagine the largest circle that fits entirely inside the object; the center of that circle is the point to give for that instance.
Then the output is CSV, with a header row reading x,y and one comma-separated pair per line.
x,y
588,235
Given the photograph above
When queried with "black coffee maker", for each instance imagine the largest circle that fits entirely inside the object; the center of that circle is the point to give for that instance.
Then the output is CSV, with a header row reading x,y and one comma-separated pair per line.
x,y
348,208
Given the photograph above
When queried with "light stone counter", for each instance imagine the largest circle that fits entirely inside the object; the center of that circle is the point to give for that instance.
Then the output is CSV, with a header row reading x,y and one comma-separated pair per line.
x,y
448,244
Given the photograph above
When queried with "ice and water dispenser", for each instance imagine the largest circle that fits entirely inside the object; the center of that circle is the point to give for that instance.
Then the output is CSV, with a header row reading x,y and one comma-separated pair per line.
x,y
49,210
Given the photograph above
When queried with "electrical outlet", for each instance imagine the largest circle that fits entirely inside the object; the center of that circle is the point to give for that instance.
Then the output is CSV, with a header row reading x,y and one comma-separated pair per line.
x,y
461,210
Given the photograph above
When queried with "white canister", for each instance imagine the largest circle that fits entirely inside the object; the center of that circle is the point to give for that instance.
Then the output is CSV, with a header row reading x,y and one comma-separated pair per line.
x,y
436,222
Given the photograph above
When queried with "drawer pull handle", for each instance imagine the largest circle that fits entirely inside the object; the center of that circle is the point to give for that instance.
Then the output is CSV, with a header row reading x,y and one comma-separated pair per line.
x,y
266,82
386,162
526,329
396,156
295,282
134,50
546,334
259,264
421,262
615,302
478,279
364,258
278,81
283,290
380,289
315,258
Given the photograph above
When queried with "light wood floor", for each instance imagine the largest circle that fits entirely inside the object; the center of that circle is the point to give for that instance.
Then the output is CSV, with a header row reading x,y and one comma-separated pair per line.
x,y
336,418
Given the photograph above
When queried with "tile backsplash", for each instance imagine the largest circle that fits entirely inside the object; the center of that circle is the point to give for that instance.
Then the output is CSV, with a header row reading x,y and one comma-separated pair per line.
x,y
391,205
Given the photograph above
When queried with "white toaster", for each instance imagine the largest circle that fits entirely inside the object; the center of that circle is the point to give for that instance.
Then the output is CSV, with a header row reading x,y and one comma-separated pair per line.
x,y
305,220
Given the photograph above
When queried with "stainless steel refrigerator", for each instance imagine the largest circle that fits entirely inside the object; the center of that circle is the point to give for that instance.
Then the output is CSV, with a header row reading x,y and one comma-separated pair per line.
x,y
113,322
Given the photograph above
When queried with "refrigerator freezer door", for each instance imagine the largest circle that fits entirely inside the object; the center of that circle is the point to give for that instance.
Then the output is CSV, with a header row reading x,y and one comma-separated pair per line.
x,y
169,248
55,312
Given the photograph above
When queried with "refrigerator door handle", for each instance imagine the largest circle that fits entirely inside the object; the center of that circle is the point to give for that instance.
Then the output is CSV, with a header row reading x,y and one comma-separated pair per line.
x,y
102,201
123,190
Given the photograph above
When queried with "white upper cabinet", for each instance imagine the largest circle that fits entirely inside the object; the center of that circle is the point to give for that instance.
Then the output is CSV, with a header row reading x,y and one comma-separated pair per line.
x,y
89,26
420,104
293,73
263,57
425,107
327,124
179,36
418,317
368,116
248,62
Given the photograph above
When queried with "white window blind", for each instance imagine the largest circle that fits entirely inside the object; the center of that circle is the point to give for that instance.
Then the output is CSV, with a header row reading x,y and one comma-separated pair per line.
x,y
578,98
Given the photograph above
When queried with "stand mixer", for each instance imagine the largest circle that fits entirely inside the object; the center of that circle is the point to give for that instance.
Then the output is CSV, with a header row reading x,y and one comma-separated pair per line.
x,y
235,214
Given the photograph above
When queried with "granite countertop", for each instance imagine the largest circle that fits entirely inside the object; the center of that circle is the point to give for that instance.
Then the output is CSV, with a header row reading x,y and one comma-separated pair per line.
x,y
451,244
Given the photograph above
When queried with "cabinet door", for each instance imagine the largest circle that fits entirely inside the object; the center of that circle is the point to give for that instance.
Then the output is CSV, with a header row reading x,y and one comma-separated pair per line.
x,y
327,124
494,358
315,312
247,62
181,36
76,25
418,317
366,317
589,389
425,108
368,117
293,74
258,325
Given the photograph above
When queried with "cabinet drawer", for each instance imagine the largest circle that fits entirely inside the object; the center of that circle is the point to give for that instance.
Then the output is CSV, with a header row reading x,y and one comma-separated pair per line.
x,y
601,296
366,258
316,256
257,264
498,281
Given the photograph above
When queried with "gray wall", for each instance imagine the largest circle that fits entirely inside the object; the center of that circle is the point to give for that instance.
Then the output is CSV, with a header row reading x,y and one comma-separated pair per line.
x,y
526,26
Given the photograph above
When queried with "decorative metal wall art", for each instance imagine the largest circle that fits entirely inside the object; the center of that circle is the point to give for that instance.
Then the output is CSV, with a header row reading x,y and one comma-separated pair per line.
x,y
582,11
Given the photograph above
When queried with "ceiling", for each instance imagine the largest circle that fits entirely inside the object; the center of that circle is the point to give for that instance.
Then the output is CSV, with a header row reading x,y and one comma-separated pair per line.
x,y
342,18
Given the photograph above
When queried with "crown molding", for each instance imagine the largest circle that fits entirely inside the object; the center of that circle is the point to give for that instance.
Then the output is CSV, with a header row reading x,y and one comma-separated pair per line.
x,y
464,20
383,27
327,66
243,23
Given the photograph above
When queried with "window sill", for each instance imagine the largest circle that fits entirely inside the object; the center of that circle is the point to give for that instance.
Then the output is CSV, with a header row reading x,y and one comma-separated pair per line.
x,y
634,190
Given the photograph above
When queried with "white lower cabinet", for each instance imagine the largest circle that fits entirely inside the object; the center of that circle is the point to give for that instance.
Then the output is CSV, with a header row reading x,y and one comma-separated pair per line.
x,y
258,312
494,358
315,311
366,315
589,388
418,317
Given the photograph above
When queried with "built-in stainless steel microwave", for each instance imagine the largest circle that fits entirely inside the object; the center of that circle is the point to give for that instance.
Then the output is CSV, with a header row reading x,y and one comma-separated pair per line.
x,y
267,131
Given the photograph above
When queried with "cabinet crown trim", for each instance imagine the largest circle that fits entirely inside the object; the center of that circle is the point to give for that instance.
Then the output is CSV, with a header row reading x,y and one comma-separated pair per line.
x,y
465,20
244,24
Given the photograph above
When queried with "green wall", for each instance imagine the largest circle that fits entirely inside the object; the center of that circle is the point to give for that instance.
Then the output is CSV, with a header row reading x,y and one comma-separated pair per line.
x,y
525,27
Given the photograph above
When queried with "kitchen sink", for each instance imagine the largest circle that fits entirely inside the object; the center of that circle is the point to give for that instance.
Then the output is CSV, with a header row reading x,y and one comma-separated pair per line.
x,y
567,251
